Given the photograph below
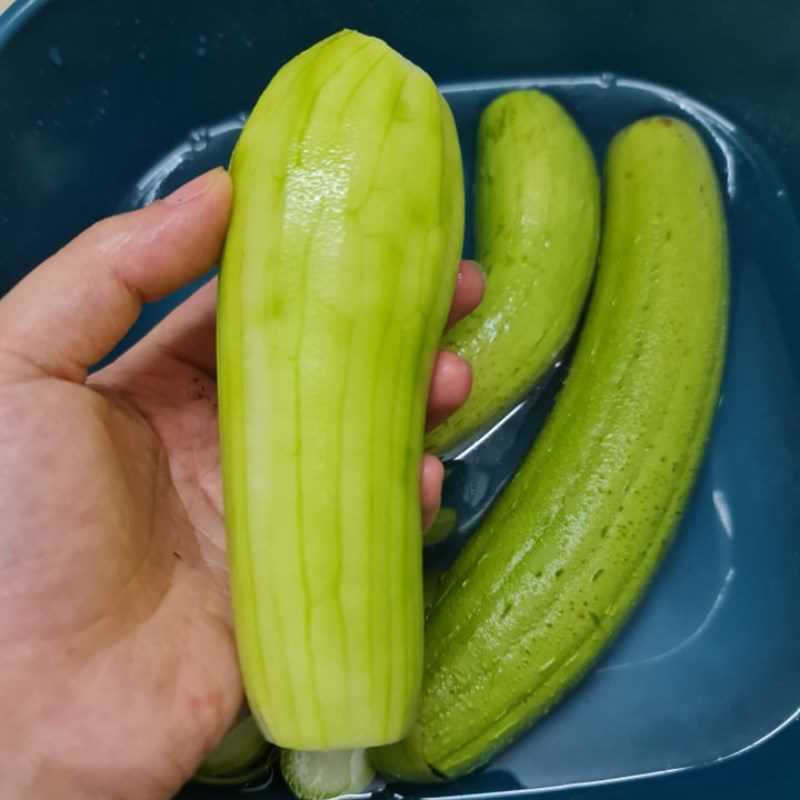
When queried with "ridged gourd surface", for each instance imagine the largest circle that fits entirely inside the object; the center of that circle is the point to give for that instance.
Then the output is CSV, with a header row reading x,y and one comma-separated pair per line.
x,y
537,225
559,562
335,284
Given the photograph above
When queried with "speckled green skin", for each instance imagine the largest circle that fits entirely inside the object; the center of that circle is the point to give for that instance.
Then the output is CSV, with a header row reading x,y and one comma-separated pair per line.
x,y
568,549
335,284
537,222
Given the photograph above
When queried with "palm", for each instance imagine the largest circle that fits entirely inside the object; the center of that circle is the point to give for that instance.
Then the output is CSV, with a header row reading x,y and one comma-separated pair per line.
x,y
118,668
131,595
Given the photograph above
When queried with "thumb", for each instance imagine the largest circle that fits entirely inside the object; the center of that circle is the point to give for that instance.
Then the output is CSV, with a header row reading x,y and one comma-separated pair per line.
x,y
71,310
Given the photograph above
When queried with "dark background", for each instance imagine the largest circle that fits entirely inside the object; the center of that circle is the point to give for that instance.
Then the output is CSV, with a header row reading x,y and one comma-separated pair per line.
x,y
85,104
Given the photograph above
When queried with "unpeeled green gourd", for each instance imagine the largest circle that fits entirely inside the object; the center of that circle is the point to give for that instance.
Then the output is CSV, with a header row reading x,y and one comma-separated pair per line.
x,y
566,552
537,222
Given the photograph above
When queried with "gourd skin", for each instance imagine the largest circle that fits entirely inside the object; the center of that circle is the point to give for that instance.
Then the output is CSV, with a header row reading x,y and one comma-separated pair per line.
x,y
564,555
537,226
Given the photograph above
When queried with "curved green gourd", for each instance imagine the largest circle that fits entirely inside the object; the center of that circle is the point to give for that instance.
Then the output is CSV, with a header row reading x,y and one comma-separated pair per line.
x,y
537,222
335,284
564,555
241,755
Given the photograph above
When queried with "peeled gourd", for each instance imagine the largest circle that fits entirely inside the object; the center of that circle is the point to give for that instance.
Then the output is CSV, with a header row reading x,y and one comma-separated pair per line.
x,y
335,284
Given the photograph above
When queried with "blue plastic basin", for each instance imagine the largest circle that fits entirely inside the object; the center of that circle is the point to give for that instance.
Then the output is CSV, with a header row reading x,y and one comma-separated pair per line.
x,y
105,105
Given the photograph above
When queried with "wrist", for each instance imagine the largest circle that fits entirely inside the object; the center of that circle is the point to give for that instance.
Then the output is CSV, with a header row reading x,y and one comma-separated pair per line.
x,y
43,776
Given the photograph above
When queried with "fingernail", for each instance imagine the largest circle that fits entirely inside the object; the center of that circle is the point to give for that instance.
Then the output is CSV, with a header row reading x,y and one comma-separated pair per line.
x,y
452,362
477,266
194,189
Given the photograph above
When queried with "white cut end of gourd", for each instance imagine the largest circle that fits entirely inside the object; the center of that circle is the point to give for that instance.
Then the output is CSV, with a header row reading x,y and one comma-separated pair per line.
x,y
316,775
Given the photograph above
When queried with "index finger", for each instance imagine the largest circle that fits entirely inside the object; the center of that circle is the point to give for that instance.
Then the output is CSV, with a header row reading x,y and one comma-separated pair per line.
x,y
70,311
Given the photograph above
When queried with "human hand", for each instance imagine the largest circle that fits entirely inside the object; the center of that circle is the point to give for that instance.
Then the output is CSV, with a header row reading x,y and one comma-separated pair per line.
x,y
118,670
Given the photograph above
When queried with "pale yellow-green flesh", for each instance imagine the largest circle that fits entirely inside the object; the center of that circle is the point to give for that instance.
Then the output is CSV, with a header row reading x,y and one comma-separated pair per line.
x,y
537,222
562,558
335,283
